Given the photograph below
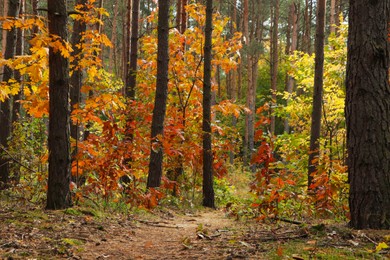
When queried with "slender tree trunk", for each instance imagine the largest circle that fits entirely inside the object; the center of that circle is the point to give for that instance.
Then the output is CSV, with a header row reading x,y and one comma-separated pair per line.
x,y
100,31
208,190
126,44
114,35
76,130
332,16
58,193
4,32
293,47
160,102
132,71
274,60
248,116
131,79
307,33
5,106
317,94
16,105
368,114
183,16
34,5
178,14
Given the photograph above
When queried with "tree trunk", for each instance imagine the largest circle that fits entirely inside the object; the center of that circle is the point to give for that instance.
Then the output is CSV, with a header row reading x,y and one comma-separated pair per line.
x,y
307,33
248,116
317,94
76,130
58,193
16,104
274,60
132,71
293,18
5,106
160,102
4,32
126,44
34,6
178,15
112,55
332,16
208,190
183,16
368,114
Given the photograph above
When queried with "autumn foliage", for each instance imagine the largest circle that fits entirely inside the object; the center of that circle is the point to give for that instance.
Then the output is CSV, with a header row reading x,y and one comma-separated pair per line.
x,y
106,156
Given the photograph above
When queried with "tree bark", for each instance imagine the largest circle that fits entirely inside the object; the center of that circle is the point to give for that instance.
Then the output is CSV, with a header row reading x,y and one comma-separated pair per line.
x,y
112,55
58,193
160,102
16,104
332,16
183,16
178,14
368,114
293,20
307,33
131,78
208,190
76,130
315,132
274,60
5,106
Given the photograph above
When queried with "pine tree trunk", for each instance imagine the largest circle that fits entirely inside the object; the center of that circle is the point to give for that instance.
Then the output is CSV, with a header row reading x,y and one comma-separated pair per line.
x,y
160,102
76,130
307,33
332,16
274,60
16,104
368,114
112,67
178,15
183,16
293,18
208,190
5,106
58,193
132,71
315,133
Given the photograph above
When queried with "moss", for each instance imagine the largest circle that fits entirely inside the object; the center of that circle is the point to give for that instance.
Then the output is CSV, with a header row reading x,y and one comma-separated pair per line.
x,y
72,242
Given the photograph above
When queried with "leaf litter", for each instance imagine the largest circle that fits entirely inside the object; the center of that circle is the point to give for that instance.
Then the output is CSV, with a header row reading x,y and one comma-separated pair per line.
x,y
33,233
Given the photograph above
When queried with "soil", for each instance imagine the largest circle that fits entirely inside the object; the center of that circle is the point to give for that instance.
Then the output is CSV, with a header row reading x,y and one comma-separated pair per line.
x,y
32,233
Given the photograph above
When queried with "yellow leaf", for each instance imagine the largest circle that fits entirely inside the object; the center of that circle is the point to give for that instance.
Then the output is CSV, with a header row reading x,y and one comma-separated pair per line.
x,y
381,246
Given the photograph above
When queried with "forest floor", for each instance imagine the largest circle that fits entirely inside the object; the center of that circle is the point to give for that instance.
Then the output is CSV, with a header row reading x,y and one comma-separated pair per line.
x,y
29,232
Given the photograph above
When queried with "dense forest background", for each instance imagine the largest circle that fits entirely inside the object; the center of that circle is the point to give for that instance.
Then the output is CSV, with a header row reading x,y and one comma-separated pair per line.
x,y
277,105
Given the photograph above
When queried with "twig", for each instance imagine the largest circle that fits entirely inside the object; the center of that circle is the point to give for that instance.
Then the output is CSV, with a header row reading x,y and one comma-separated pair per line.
x,y
280,237
156,223
289,221
15,160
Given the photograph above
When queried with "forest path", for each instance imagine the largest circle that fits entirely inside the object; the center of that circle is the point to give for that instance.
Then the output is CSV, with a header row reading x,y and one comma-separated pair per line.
x,y
29,232
202,235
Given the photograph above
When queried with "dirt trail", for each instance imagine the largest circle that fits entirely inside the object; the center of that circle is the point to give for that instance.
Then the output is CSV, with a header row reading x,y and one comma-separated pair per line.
x,y
81,233
190,236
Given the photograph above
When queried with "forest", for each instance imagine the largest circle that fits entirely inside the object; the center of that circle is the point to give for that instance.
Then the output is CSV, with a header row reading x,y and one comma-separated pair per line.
x,y
194,129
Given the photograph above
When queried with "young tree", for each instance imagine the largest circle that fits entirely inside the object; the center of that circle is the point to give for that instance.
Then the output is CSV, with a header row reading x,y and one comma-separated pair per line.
x,y
58,193
160,101
368,114
318,89
208,190
5,106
